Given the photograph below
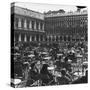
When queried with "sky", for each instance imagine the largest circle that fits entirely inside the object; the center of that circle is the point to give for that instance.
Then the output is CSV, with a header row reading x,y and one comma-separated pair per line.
x,y
45,7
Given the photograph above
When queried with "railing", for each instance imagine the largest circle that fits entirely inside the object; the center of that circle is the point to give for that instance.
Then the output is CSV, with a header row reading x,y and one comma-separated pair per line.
x,y
26,29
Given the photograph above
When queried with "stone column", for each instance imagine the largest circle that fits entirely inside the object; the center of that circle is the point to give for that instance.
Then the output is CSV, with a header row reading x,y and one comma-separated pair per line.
x,y
14,24
25,24
25,38
19,23
47,38
55,38
30,38
51,37
35,38
19,38
70,38
62,38
59,38
30,24
66,37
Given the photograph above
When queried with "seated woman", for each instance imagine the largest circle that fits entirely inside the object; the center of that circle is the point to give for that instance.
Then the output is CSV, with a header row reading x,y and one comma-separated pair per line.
x,y
63,79
33,75
46,77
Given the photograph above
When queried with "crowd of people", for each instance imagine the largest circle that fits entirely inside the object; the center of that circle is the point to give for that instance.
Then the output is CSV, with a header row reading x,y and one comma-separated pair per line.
x,y
38,64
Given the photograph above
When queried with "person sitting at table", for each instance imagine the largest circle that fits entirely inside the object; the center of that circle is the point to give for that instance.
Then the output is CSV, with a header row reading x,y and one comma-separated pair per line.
x,y
83,79
32,75
46,77
63,79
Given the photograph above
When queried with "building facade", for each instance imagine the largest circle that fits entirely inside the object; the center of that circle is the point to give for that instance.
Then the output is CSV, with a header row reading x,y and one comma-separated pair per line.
x,y
57,26
71,26
28,25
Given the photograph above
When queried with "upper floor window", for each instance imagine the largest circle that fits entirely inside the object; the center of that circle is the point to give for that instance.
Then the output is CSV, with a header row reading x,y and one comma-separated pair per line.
x,y
16,22
28,23
37,25
32,24
22,23
41,26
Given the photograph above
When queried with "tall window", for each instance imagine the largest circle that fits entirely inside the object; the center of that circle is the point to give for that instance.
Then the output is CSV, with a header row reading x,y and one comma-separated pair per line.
x,y
32,24
22,23
16,19
41,26
27,24
37,25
